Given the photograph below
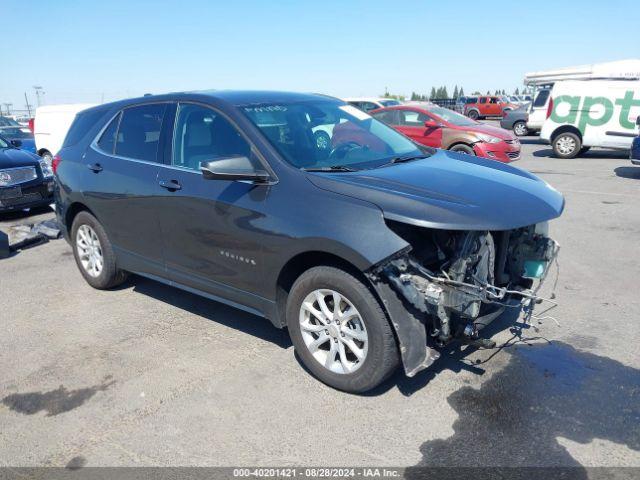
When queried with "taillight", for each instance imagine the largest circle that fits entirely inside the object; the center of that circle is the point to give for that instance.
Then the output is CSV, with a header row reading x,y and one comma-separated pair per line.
x,y
55,162
550,107
32,125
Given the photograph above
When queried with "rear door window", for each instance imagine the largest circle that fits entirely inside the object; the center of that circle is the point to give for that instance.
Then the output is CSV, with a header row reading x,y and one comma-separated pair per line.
x,y
107,140
541,99
139,132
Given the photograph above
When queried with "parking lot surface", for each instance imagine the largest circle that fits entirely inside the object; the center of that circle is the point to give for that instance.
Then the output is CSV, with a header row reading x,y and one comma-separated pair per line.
x,y
150,375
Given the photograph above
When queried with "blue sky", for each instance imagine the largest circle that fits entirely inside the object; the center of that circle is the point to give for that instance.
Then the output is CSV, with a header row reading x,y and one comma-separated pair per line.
x,y
82,51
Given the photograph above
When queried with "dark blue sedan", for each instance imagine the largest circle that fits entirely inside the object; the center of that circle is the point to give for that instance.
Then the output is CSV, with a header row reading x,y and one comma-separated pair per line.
x,y
26,180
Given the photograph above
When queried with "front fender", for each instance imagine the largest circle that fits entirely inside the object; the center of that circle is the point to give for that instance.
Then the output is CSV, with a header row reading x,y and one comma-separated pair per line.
x,y
409,325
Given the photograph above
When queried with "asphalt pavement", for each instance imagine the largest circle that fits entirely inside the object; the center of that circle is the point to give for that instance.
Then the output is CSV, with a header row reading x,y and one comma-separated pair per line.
x,y
150,375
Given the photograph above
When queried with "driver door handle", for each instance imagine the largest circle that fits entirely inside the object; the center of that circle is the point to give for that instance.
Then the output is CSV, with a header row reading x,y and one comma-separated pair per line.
x,y
171,185
95,167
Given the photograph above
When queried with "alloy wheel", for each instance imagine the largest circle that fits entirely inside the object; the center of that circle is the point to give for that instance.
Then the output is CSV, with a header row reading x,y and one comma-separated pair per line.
x,y
333,331
520,129
89,250
566,145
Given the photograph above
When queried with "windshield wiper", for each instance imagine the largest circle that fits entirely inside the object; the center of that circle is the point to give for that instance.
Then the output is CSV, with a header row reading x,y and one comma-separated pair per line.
x,y
332,168
404,159
408,158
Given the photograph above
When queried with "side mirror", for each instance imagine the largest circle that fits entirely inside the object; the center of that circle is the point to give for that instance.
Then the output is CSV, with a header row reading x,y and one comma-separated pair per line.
x,y
16,143
638,121
234,168
432,124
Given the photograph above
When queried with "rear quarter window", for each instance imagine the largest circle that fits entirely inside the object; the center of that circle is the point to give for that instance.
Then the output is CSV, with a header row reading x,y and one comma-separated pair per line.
x,y
83,122
541,99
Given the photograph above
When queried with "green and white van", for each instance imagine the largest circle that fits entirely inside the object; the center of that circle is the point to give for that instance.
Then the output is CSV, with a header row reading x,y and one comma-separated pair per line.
x,y
595,113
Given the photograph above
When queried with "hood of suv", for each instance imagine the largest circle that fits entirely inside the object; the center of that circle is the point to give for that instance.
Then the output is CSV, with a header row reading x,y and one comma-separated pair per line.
x,y
451,191
12,157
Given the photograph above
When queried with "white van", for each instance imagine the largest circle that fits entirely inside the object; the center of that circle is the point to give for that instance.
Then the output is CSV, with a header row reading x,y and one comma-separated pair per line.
x,y
544,81
51,125
596,113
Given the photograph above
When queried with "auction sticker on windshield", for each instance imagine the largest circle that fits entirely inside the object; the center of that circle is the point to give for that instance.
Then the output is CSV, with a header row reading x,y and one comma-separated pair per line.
x,y
359,114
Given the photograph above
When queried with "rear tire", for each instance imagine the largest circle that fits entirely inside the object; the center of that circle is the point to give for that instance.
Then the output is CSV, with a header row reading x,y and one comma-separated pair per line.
x,y
520,129
462,148
320,339
567,145
94,254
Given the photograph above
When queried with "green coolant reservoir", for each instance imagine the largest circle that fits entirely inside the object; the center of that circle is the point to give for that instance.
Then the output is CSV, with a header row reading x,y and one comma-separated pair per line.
x,y
534,268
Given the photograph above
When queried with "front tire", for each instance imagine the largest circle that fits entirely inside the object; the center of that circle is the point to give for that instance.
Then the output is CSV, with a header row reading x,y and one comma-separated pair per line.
x,y
462,149
520,129
567,145
340,331
473,114
94,254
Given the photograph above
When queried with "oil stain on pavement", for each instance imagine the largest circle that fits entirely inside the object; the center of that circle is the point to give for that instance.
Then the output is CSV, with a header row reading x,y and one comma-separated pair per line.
x,y
546,391
54,402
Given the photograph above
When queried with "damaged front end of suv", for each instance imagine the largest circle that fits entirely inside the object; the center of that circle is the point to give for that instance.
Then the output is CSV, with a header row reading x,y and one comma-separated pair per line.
x,y
449,284
473,238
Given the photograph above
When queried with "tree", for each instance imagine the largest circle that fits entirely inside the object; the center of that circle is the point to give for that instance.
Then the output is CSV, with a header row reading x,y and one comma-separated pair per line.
x,y
488,92
517,92
433,93
455,92
444,92
461,92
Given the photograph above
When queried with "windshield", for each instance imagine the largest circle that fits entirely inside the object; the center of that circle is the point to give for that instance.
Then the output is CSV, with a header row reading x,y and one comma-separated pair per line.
x,y
323,133
15,132
452,117
389,103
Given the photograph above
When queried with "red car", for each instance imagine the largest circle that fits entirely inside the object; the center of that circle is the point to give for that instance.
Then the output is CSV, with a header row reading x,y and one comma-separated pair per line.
x,y
487,106
439,127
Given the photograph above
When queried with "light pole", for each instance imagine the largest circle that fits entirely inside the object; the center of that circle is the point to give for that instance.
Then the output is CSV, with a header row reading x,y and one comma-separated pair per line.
x,y
8,107
39,93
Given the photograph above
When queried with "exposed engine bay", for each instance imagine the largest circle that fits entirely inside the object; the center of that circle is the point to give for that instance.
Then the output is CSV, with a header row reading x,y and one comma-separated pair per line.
x,y
459,281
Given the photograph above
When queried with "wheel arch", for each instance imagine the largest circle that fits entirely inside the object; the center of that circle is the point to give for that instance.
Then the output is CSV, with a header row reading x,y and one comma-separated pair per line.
x,y
42,151
565,129
304,261
457,143
72,212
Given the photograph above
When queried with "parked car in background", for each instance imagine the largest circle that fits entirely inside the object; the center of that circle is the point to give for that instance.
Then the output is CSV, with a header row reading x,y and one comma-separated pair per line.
x,y
366,104
440,127
21,134
8,122
22,120
595,113
538,109
486,106
26,180
226,195
516,120
51,124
